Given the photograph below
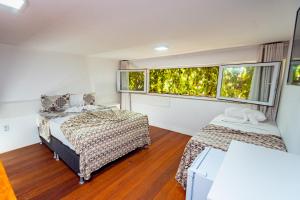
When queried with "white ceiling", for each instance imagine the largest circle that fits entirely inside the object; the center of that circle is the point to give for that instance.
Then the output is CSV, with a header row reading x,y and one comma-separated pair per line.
x,y
129,29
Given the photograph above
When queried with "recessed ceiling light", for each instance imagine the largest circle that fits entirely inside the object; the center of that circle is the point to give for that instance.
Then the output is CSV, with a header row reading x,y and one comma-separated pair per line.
x,y
161,48
16,4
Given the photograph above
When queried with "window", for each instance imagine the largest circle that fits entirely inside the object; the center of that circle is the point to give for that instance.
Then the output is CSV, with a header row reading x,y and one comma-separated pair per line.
x,y
295,73
252,83
197,81
236,82
294,66
131,81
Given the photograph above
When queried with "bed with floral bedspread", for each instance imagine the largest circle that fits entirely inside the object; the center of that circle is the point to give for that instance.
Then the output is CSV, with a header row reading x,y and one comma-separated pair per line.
x,y
101,137
220,137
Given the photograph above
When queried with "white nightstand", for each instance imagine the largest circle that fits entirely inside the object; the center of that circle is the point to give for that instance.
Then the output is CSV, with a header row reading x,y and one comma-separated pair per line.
x,y
202,173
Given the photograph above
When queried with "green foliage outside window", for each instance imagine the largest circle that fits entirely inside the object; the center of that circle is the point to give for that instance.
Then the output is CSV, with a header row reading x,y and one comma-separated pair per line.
x,y
236,82
199,81
136,81
296,73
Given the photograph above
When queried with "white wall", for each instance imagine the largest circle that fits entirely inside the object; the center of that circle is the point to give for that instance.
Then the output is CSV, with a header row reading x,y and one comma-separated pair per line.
x,y
24,76
103,76
288,118
187,115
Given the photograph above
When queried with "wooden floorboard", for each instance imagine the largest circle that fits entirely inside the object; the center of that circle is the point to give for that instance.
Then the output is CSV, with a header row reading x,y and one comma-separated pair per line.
x,y
143,174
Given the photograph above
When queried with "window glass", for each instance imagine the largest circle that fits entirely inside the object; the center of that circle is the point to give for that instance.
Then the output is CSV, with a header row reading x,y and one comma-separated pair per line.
x,y
296,74
236,82
136,81
294,71
252,83
196,81
130,80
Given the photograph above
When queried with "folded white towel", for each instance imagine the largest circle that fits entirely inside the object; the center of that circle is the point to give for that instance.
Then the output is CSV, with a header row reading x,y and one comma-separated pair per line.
x,y
244,115
233,120
255,116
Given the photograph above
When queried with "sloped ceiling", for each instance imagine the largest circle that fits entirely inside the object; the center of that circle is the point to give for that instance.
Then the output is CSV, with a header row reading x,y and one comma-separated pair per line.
x,y
129,29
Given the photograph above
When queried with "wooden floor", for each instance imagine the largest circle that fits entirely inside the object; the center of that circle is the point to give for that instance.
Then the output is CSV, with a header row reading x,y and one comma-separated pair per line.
x,y
143,174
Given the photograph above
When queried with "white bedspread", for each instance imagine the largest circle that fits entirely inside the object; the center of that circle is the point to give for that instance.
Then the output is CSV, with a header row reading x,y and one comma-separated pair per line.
x,y
260,128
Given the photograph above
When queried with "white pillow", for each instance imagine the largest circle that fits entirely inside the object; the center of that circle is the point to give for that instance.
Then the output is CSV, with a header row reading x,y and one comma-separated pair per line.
x,y
236,113
76,100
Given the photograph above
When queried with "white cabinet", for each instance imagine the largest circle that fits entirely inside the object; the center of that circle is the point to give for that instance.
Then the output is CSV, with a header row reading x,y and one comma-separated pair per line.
x,y
202,173
251,172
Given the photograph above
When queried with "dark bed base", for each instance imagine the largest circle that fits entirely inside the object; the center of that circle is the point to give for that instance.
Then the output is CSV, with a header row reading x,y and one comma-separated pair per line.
x,y
64,153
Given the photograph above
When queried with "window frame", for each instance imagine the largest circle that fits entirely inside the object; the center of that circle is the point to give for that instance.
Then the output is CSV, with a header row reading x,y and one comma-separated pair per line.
x,y
274,83
132,91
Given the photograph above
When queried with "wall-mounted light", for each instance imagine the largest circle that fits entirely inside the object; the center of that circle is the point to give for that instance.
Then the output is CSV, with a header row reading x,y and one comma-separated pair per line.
x,y
16,4
161,48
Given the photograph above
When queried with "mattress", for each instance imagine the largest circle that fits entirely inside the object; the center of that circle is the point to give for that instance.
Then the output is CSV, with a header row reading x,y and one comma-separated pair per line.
x,y
268,128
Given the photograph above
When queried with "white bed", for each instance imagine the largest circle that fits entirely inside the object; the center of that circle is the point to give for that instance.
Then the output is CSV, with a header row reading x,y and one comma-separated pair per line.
x,y
100,133
260,128
221,132
221,120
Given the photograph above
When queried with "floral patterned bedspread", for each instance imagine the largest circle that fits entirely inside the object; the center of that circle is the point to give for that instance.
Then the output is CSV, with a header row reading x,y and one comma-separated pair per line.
x,y
104,136
43,123
220,137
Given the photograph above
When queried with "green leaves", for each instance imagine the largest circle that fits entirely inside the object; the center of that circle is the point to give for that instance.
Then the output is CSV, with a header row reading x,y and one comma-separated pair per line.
x,y
136,81
296,73
198,81
236,82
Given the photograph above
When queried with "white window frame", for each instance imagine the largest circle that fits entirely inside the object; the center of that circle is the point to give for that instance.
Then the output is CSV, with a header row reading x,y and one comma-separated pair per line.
x,y
132,70
273,83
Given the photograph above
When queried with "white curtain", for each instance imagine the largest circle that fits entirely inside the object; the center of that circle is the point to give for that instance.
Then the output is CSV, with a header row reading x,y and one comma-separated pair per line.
x,y
125,97
255,85
271,53
261,84
124,81
266,81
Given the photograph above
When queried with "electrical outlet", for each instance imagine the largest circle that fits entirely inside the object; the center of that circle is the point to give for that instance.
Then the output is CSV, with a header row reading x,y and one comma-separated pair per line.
x,y
6,128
